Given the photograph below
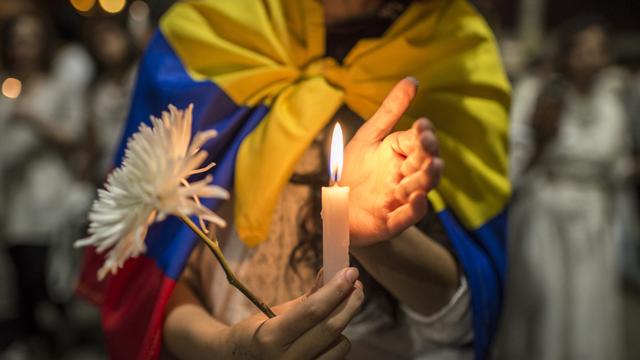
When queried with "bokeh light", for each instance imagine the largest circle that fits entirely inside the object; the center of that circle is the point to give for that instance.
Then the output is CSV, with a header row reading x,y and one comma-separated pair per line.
x,y
11,88
112,6
139,10
83,5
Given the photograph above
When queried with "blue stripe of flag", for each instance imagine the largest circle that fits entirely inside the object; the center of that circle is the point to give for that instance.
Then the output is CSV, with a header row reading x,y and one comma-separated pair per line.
x,y
163,80
482,255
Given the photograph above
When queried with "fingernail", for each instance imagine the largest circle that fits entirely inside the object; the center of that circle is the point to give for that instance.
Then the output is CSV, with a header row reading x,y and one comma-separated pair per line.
x,y
421,124
352,274
413,80
319,282
319,278
425,141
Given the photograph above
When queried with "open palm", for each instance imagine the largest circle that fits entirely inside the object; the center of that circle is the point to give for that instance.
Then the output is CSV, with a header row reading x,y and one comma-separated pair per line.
x,y
389,174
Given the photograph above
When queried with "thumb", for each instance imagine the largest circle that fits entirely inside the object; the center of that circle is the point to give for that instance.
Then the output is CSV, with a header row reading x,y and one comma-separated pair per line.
x,y
283,308
391,110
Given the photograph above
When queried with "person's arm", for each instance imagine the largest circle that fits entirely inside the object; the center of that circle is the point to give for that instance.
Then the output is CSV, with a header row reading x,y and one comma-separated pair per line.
x,y
305,328
190,331
414,268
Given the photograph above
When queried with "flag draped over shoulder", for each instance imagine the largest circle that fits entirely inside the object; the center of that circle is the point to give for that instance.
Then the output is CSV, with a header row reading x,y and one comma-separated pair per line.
x,y
256,72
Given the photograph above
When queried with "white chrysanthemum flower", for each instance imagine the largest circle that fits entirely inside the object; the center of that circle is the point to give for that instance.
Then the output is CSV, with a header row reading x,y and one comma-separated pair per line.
x,y
150,184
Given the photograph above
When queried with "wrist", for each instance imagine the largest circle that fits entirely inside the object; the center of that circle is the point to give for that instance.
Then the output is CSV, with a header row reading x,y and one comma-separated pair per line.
x,y
359,247
364,251
229,343
236,341
214,340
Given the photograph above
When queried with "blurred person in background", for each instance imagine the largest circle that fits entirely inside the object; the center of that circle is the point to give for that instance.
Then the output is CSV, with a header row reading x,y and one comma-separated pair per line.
x,y
561,300
39,130
113,50
72,63
526,88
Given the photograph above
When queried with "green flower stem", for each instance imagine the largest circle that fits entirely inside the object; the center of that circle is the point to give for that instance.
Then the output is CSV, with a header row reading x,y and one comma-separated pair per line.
x,y
231,277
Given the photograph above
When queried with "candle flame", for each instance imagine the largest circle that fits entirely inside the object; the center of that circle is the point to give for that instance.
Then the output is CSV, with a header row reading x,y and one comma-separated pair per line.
x,y
337,149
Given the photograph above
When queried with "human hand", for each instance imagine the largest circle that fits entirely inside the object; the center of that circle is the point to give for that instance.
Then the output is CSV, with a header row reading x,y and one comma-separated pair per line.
x,y
308,327
389,174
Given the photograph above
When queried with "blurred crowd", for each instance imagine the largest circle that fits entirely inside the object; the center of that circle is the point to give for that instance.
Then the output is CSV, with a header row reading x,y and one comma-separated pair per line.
x,y
63,105
573,290
573,236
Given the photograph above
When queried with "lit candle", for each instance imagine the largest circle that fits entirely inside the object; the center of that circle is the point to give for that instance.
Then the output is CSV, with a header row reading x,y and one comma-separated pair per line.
x,y
335,213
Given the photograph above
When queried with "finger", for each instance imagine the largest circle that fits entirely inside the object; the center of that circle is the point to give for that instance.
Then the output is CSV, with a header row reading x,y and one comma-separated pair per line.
x,y
392,108
406,142
319,337
312,309
318,284
427,124
338,350
409,213
416,161
428,147
418,181
424,179
429,143
283,308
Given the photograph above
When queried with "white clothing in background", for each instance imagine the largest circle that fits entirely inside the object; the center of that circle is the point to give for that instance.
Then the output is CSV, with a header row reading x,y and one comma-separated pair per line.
x,y
109,103
562,291
39,192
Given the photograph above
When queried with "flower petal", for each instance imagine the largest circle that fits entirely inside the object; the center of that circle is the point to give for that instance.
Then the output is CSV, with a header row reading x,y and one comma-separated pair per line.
x,y
150,185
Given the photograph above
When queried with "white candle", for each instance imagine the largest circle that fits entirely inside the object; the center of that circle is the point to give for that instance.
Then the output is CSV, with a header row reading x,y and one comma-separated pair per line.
x,y
335,213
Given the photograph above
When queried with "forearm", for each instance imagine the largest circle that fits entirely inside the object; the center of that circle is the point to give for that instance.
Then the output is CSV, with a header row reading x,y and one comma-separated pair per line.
x,y
414,268
190,332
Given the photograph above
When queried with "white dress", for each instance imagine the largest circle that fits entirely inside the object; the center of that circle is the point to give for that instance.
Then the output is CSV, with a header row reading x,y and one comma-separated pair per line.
x,y
561,300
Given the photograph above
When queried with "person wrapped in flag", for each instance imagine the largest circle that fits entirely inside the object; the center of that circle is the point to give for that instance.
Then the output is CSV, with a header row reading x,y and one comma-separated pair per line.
x,y
271,77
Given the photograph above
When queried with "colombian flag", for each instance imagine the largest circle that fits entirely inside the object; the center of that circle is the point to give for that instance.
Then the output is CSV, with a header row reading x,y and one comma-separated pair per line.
x,y
256,72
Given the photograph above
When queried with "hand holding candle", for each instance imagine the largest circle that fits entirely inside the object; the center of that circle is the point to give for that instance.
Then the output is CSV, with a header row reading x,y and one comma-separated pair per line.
x,y
335,213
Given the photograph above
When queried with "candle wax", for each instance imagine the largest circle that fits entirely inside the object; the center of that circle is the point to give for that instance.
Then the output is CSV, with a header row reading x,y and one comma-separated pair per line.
x,y
335,229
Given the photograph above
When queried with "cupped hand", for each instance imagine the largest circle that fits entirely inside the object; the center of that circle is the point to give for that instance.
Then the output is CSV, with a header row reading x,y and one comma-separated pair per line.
x,y
308,327
390,173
